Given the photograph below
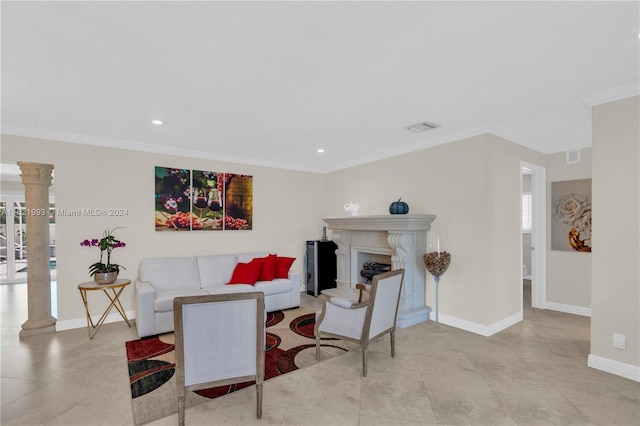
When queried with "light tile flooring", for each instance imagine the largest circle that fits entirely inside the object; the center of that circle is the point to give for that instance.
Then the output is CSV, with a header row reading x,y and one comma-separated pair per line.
x,y
533,373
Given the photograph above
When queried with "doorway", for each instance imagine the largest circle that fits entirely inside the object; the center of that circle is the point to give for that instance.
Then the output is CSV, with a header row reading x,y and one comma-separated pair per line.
x,y
533,193
13,239
14,257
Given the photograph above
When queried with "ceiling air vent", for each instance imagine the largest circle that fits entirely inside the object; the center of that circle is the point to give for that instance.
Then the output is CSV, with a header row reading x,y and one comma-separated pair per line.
x,y
573,156
421,127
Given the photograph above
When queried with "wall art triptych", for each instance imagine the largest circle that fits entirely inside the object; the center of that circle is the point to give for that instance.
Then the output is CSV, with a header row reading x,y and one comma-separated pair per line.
x,y
197,200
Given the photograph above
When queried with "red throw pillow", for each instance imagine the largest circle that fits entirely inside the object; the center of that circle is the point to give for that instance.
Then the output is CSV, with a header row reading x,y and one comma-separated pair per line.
x,y
283,264
247,273
267,273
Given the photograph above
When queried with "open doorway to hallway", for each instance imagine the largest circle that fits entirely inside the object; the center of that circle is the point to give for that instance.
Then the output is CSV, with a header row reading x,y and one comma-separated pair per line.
x,y
534,246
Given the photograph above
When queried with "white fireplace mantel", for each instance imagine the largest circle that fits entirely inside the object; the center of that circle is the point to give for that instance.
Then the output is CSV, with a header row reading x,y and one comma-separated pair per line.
x,y
398,222
404,237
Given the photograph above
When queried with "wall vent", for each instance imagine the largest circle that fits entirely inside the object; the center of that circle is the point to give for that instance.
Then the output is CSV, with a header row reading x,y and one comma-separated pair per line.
x,y
421,127
573,156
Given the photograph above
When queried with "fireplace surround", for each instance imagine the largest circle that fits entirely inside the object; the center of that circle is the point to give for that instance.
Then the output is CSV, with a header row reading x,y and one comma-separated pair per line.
x,y
400,237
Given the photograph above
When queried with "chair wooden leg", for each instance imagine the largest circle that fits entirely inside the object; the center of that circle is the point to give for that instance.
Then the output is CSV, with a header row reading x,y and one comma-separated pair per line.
x,y
259,398
181,410
393,343
317,347
364,361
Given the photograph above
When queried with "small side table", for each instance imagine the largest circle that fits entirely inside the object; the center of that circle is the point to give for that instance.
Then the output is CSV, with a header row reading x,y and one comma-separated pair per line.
x,y
116,287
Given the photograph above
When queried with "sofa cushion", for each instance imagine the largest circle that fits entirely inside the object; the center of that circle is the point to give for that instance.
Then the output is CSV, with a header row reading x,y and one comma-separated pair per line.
x,y
267,273
216,270
226,289
278,285
170,273
247,273
164,298
283,264
248,257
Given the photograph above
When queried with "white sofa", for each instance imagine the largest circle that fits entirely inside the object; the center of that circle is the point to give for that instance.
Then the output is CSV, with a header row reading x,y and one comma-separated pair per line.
x,y
160,280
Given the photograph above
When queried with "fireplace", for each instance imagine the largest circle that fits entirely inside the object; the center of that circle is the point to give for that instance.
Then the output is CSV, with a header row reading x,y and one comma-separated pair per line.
x,y
364,254
370,269
396,239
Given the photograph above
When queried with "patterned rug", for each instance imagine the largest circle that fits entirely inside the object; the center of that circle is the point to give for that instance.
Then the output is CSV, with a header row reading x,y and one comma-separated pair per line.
x,y
290,344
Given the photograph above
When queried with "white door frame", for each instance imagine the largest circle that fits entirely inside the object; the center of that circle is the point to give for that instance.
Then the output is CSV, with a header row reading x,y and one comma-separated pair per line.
x,y
538,233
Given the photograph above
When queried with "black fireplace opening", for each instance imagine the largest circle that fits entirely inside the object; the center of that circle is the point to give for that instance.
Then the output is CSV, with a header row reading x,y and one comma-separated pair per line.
x,y
371,269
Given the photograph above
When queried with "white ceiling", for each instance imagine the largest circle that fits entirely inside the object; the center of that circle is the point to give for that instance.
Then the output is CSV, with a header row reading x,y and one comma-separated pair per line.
x,y
270,82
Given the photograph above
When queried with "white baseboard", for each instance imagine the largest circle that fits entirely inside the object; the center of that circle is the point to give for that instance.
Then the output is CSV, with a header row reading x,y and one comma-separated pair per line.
x,y
483,330
628,371
568,309
82,322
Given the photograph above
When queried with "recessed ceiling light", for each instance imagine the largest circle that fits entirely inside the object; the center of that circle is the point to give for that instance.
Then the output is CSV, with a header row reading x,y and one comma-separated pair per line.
x,y
320,150
157,122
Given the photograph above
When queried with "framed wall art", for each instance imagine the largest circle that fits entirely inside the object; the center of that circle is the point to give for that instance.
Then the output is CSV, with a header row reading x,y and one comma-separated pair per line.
x,y
199,200
571,212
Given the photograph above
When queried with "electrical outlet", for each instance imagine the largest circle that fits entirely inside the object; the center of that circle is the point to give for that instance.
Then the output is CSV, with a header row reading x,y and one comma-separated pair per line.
x,y
619,341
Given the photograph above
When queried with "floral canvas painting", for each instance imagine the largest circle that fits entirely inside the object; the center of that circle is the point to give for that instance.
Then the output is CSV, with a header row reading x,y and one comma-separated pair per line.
x,y
571,213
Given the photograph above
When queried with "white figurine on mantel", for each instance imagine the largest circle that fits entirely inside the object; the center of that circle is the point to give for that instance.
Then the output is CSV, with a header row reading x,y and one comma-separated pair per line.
x,y
352,207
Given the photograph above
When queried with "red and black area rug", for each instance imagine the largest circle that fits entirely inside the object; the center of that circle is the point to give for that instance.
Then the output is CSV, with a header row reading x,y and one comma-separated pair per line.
x,y
290,345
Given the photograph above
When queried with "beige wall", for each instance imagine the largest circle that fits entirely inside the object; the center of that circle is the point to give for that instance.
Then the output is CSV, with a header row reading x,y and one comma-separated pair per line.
x,y
473,187
286,211
568,273
615,291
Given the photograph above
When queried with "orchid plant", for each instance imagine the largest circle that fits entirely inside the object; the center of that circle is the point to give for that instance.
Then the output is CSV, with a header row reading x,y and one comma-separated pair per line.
x,y
107,243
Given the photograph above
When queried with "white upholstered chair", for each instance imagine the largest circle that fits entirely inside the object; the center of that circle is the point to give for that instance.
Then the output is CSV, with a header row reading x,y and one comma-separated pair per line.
x,y
219,340
364,321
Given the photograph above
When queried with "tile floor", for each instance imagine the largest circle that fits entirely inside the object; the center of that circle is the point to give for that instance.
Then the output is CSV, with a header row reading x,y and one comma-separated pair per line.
x,y
533,373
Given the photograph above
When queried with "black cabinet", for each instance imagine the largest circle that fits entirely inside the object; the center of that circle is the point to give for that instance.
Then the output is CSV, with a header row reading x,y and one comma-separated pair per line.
x,y
320,266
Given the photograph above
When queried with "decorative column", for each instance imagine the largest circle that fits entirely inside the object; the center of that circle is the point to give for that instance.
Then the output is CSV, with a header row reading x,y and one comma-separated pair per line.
x,y
398,241
408,247
343,261
36,178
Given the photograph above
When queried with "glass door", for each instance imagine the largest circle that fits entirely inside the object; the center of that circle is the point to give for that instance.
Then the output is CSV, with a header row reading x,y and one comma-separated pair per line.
x,y
13,241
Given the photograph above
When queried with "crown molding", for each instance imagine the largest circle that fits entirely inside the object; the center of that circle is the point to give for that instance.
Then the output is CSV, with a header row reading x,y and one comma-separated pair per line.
x,y
138,146
440,139
612,94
